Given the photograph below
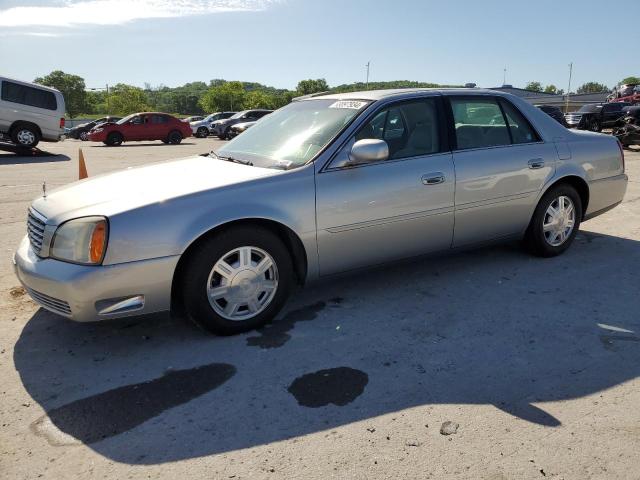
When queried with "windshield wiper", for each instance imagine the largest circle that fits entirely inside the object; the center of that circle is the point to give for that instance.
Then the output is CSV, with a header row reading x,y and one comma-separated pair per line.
x,y
230,159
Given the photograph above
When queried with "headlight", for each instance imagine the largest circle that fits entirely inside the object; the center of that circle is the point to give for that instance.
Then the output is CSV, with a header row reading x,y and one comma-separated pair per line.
x,y
83,240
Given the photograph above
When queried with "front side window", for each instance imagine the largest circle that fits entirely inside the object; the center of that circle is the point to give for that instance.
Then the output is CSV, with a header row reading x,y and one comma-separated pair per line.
x,y
409,128
479,123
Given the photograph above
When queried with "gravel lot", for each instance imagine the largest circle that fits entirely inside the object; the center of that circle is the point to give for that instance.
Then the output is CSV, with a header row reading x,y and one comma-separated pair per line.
x,y
488,364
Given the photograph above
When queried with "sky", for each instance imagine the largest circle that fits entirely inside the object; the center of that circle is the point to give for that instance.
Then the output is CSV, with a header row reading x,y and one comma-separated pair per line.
x,y
279,42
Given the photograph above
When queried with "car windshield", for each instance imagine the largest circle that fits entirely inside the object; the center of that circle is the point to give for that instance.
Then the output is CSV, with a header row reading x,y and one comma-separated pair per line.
x,y
239,114
124,120
293,135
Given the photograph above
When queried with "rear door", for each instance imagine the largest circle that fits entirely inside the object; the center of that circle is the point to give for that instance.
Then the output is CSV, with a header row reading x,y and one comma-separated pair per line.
x,y
158,127
501,164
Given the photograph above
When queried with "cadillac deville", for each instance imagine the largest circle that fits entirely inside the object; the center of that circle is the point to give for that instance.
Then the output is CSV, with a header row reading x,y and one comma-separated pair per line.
x,y
327,184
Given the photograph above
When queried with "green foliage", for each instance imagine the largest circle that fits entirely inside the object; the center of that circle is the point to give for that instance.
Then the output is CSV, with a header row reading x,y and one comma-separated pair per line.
x,y
592,87
307,87
551,89
125,99
72,88
358,86
225,96
534,86
629,80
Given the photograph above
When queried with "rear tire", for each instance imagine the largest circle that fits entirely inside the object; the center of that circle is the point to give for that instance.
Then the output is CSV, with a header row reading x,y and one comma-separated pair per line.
x,y
595,126
84,136
25,135
555,222
114,139
174,138
226,291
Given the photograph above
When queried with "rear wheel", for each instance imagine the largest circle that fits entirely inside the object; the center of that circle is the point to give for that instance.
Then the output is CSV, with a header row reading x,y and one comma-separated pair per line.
x,y
174,137
84,136
25,136
595,126
555,222
237,280
114,139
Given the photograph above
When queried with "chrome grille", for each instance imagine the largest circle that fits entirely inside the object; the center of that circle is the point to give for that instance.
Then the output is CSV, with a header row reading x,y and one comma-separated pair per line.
x,y
35,230
50,303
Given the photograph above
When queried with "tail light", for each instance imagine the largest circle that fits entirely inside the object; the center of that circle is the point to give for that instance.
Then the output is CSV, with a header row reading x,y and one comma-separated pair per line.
x,y
621,153
62,122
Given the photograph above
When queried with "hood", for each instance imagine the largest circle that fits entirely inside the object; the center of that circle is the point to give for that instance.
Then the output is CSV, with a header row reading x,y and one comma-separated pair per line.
x,y
136,187
198,123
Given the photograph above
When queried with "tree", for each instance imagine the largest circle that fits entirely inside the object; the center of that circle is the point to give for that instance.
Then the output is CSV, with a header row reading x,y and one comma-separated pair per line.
x,y
226,96
72,88
125,99
592,87
551,89
306,87
534,86
629,80
258,99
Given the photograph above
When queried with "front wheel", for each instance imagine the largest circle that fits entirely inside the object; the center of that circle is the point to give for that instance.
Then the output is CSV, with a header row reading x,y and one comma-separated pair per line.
x,y
202,132
237,280
114,139
25,136
555,222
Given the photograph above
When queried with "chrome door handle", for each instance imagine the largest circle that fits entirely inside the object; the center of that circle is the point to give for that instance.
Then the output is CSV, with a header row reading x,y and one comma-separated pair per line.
x,y
433,178
535,163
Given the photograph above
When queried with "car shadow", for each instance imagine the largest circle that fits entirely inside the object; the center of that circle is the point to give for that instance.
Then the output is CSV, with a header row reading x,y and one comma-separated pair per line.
x,y
139,144
43,157
493,326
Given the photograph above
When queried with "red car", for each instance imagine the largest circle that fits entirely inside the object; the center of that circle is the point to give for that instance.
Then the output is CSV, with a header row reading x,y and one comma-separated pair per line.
x,y
141,126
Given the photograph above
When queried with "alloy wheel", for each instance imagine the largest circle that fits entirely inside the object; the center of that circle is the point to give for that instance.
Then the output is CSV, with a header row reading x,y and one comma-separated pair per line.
x,y
559,220
242,283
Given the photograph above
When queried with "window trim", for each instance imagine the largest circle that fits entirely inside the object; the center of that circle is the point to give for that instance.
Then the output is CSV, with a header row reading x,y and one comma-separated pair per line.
x,y
498,99
441,119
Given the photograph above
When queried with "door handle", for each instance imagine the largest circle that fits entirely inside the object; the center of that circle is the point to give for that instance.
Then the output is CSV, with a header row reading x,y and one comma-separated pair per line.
x,y
433,178
535,163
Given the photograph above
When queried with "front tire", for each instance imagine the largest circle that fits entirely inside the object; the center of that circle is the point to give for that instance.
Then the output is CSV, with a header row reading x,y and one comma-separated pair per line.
x,y
555,222
114,139
202,132
237,280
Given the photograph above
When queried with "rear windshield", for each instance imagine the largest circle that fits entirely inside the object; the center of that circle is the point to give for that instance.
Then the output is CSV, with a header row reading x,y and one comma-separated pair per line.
x,y
31,96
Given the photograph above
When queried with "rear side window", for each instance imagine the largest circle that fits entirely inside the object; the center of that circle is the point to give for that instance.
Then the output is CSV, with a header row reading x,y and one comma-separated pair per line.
x,y
159,119
479,123
485,122
34,97
520,129
409,128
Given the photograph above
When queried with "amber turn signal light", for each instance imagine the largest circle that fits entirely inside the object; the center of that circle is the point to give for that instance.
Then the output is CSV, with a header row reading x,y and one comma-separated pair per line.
x,y
98,242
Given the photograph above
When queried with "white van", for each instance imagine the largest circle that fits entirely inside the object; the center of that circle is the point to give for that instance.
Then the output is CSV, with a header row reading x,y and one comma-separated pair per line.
x,y
30,112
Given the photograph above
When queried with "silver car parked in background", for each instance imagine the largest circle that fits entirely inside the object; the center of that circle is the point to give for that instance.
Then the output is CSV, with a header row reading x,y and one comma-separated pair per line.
x,y
324,185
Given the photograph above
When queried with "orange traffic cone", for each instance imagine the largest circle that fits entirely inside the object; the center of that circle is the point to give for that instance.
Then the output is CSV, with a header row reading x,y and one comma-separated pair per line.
x,y
82,167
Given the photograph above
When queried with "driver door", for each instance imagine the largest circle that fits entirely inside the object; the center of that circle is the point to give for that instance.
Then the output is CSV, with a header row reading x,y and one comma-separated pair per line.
x,y
401,207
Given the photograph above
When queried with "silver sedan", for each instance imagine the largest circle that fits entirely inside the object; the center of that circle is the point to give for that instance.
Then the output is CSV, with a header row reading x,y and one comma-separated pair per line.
x,y
325,185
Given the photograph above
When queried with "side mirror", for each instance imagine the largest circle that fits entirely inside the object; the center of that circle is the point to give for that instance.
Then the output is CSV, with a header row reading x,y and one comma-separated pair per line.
x,y
369,150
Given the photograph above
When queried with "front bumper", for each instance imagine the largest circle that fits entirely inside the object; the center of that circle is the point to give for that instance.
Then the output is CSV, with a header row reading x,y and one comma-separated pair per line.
x,y
85,293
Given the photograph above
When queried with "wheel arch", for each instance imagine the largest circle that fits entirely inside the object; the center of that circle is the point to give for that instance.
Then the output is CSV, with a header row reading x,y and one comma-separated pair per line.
x,y
291,240
577,182
17,123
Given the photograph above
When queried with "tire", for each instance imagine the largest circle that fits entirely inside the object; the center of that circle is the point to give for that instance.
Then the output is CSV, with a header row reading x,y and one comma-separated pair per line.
x,y
25,135
114,139
555,238
84,136
230,313
202,132
174,138
595,126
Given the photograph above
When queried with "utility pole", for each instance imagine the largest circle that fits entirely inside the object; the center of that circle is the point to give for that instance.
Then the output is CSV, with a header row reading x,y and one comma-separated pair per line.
x,y
108,109
566,106
504,76
368,65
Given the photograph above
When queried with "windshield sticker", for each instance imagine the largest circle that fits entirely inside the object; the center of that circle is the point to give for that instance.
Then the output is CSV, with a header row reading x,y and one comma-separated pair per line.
x,y
352,104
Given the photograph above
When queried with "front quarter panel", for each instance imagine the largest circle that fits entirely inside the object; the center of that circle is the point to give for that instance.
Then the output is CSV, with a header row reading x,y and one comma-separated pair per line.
x,y
168,227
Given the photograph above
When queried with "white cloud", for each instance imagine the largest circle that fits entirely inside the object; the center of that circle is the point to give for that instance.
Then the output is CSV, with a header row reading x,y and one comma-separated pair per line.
x,y
73,13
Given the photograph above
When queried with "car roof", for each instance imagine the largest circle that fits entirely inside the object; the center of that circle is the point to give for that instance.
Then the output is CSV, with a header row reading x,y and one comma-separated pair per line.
x,y
376,95
31,84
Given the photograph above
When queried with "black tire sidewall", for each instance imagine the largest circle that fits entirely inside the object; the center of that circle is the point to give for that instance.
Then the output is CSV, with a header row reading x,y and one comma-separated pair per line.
x,y
535,233
202,132
114,139
175,137
200,263
18,129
